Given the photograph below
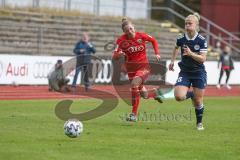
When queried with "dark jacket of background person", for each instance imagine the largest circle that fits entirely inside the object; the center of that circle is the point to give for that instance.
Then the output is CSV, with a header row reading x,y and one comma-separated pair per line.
x,y
83,51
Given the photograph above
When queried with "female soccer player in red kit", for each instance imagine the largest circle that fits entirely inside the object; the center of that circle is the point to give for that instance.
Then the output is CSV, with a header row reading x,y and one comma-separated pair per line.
x,y
132,46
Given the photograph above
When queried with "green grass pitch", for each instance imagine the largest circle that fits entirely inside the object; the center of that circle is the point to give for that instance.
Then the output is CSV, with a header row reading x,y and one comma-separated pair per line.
x,y
30,130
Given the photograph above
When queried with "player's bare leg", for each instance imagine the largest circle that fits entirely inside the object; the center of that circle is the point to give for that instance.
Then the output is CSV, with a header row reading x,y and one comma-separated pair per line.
x,y
151,93
143,92
182,93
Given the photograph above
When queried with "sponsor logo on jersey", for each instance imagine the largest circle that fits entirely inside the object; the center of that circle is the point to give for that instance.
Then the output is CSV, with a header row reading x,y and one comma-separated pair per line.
x,y
134,49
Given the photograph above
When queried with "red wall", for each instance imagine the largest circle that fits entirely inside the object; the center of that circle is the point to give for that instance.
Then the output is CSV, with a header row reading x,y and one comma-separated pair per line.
x,y
225,13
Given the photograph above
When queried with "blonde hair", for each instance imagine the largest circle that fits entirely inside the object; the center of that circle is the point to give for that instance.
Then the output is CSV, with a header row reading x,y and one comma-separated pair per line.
x,y
125,22
196,17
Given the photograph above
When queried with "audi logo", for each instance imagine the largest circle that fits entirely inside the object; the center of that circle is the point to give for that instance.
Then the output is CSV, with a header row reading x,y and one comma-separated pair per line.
x,y
41,69
101,71
135,49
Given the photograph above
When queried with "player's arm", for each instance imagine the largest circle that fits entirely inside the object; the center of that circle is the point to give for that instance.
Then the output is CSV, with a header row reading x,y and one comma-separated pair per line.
x,y
173,58
117,53
154,44
201,58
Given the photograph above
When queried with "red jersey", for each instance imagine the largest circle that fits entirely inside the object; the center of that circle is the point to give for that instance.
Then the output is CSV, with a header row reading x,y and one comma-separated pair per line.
x,y
135,50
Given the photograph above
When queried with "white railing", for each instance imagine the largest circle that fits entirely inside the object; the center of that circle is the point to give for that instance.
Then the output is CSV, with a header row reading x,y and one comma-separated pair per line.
x,y
229,39
97,6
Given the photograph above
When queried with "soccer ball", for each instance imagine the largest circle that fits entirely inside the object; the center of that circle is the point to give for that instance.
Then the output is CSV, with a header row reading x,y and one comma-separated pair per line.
x,y
73,128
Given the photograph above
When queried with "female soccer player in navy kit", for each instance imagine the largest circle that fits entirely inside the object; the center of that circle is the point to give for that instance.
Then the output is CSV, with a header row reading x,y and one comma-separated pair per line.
x,y
132,46
192,70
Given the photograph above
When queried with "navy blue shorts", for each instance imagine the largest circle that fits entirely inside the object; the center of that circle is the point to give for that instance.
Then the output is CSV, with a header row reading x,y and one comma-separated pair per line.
x,y
195,79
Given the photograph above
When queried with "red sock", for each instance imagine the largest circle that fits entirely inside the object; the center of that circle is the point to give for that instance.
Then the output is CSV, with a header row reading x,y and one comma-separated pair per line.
x,y
135,100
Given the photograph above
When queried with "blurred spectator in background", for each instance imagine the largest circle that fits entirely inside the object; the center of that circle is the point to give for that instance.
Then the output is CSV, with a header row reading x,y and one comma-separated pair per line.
x,y
83,50
226,66
56,79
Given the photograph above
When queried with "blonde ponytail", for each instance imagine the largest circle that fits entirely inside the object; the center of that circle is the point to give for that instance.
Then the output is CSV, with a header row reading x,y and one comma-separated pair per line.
x,y
125,22
197,16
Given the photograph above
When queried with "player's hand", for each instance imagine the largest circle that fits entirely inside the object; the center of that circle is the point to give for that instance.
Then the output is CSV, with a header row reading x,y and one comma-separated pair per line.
x,y
121,53
186,51
158,57
171,66
118,54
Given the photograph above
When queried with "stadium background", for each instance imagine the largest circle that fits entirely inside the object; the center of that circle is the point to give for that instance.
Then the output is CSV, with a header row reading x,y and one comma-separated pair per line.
x,y
35,33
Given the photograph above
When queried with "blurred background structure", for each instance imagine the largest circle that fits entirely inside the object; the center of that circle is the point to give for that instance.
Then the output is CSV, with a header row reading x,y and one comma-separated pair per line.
x,y
52,27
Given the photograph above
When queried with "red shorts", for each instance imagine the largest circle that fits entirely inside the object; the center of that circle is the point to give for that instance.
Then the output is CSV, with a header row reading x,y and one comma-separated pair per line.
x,y
225,68
143,74
140,69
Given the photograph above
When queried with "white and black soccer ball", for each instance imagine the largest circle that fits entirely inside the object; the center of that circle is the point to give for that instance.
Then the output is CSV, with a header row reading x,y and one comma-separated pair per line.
x,y
73,128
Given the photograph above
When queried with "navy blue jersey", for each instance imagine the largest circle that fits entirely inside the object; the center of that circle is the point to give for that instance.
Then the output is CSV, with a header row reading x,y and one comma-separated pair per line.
x,y
198,45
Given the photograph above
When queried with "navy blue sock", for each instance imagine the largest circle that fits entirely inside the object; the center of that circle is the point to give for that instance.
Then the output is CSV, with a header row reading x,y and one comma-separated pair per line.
x,y
189,95
199,113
